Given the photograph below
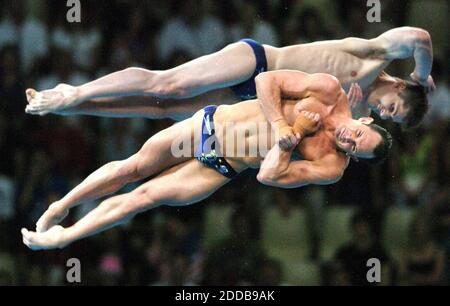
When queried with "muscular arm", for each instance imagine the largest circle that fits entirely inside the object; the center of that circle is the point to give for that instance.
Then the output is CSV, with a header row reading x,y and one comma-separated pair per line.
x,y
273,86
278,170
406,42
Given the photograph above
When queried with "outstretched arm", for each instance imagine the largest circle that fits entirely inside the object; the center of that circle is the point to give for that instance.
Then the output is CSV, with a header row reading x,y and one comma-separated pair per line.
x,y
406,42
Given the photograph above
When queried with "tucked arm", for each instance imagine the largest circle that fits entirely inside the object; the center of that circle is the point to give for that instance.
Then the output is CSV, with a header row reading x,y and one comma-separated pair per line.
x,y
279,171
273,86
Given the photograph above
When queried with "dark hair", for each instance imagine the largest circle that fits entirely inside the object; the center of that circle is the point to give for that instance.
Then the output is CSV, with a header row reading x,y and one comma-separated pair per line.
x,y
382,150
415,99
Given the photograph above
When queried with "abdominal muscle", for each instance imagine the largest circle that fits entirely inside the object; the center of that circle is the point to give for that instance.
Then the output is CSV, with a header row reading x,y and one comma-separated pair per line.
x,y
326,57
244,134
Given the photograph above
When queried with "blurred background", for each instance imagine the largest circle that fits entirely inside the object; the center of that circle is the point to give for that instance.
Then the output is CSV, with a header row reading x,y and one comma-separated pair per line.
x,y
247,234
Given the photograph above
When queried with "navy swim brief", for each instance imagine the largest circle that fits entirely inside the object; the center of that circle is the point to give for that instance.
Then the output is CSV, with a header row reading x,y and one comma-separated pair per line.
x,y
247,89
208,152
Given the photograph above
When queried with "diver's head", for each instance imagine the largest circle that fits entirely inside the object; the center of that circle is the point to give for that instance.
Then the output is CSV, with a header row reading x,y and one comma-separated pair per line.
x,y
363,139
399,100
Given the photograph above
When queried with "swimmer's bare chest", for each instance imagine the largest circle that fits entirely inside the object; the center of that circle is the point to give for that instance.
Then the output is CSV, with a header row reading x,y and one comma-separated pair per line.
x,y
328,57
311,148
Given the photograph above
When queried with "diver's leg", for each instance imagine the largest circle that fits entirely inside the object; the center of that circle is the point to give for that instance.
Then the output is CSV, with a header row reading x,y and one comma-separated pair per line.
x,y
150,107
183,184
155,156
229,66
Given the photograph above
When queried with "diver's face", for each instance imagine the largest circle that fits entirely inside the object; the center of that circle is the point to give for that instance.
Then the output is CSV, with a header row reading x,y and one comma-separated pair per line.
x,y
391,107
357,139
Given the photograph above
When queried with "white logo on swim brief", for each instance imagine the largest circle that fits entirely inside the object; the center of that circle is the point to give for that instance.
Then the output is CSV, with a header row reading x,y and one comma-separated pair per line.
x,y
208,124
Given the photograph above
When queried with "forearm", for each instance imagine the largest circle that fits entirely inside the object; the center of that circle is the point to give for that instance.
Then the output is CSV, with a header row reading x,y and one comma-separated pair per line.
x,y
274,165
269,96
423,57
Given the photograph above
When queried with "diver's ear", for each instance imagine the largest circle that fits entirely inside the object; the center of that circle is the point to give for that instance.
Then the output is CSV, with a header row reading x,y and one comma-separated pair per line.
x,y
399,84
366,120
352,157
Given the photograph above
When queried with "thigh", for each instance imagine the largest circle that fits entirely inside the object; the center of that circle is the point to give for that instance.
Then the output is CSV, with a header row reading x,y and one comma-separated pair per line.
x,y
152,107
120,107
230,66
168,147
185,108
183,184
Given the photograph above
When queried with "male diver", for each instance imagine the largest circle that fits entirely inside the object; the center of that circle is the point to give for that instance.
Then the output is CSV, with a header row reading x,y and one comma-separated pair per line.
x,y
229,75
324,138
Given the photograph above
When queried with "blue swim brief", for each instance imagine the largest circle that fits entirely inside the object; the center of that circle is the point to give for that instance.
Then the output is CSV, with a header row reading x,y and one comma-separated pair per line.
x,y
247,89
208,152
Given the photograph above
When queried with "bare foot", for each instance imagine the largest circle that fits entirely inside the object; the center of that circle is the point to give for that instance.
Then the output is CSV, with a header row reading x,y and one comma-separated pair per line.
x,y
52,100
50,218
51,239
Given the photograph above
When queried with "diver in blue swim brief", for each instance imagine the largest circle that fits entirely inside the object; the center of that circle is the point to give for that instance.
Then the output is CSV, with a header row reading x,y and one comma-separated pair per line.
x,y
326,137
222,75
